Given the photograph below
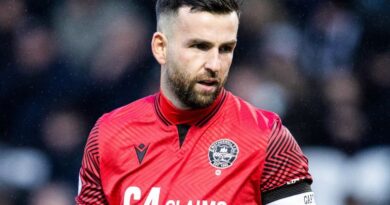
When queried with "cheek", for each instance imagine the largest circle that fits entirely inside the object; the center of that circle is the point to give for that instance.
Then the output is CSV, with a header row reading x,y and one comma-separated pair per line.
x,y
186,62
226,63
177,56
177,66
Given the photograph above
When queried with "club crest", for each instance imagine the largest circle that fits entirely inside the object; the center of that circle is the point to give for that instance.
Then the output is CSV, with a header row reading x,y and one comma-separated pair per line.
x,y
223,153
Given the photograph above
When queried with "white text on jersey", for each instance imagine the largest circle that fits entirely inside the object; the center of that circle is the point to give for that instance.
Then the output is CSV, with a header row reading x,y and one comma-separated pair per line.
x,y
133,194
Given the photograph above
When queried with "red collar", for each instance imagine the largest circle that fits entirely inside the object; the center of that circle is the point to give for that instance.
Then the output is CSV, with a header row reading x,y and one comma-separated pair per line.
x,y
177,116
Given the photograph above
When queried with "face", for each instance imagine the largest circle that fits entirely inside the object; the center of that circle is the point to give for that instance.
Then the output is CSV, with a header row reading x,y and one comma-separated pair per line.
x,y
199,54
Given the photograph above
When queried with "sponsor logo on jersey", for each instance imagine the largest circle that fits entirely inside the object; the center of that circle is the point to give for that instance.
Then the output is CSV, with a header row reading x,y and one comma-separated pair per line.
x,y
133,195
223,153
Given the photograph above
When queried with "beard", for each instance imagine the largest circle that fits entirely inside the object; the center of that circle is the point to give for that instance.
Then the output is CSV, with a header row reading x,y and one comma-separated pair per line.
x,y
183,87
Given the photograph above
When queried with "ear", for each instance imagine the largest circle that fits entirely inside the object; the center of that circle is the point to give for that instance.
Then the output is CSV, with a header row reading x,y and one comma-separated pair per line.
x,y
159,47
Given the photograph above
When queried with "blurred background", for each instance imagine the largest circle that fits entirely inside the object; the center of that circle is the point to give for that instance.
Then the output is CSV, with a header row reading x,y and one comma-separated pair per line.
x,y
322,65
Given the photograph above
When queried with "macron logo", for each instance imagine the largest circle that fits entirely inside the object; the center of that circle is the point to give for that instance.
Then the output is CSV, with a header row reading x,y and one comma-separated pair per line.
x,y
140,150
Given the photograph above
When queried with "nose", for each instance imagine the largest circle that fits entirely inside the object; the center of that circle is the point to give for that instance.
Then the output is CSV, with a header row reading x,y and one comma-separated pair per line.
x,y
213,62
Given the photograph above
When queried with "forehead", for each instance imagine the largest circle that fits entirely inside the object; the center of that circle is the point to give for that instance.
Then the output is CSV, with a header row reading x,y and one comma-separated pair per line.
x,y
204,25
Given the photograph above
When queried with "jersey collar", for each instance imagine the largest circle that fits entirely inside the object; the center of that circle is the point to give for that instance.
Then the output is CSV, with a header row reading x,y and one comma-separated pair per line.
x,y
170,115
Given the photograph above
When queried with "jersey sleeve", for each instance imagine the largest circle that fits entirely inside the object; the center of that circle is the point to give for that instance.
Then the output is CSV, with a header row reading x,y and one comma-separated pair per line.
x,y
90,186
286,171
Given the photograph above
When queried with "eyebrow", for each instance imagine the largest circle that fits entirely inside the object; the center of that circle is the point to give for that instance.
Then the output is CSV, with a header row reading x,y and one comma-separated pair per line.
x,y
196,41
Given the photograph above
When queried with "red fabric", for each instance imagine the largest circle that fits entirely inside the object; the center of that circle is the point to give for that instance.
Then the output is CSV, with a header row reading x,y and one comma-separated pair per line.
x,y
265,156
189,117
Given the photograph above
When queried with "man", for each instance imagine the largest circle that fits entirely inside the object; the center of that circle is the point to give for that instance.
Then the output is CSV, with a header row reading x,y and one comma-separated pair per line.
x,y
193,142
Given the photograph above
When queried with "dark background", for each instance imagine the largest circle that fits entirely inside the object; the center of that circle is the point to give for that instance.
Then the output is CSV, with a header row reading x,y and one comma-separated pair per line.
x,y
323,66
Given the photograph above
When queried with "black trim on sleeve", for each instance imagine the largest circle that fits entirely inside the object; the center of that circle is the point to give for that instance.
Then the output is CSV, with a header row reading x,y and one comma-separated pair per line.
x,y
286,191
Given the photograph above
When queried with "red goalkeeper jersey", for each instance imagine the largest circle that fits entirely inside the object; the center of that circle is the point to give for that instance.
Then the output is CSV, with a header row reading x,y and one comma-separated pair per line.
x,y
232,153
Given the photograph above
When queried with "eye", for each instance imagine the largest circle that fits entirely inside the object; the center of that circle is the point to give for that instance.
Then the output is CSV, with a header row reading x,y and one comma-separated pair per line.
x,y
201,46
226,49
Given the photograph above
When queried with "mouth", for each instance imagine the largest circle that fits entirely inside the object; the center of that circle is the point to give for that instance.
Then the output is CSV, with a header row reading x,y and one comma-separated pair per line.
x,y
208,82
208,85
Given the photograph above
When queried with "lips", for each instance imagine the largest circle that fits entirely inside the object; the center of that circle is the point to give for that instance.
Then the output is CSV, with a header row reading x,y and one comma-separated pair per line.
x,y
208,82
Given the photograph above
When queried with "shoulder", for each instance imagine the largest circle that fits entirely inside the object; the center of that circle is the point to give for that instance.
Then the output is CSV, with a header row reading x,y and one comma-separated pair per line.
x,y
114,129
111,124
139,110
247,112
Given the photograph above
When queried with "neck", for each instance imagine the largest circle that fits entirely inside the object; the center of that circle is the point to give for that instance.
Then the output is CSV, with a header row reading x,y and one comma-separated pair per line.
x,y
168,93
172,98
177,115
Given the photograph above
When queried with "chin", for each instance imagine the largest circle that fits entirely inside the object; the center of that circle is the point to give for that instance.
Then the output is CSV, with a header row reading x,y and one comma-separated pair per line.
x,y
203,100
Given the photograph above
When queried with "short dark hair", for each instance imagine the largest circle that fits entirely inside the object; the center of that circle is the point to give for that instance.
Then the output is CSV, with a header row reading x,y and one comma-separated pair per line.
x,y
212,6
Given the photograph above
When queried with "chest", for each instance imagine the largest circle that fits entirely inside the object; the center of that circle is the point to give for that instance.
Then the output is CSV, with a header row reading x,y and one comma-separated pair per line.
x,y
213,165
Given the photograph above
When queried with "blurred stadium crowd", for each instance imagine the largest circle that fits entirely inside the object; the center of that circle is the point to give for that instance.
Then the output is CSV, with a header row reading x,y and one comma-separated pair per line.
x,y
322,65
